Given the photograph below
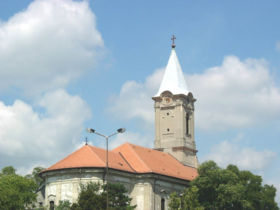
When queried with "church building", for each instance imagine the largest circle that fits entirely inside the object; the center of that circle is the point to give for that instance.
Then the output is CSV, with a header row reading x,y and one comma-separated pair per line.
x,y
149,175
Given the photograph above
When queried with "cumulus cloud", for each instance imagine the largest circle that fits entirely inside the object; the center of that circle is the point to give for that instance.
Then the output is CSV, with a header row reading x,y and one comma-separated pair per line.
x,y
29,137
47,45
235,94
228,152
134,99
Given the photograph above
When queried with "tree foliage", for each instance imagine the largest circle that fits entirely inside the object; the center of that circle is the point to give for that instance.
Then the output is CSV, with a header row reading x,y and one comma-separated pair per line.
x,y
230,188
188,200
63,205
8,170
93,196
175,201
16,192
36,175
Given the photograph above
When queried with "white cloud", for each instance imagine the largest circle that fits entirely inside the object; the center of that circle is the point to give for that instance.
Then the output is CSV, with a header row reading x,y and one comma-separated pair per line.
x,y
47,45
230,152
29,138
134,100
235,94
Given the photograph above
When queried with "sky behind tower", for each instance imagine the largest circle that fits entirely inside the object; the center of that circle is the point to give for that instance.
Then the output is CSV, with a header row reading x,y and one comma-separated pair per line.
x,y
67,65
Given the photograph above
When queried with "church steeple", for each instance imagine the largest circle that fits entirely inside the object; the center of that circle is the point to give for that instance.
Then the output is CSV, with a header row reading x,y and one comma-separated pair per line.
x,y
174,115
173,79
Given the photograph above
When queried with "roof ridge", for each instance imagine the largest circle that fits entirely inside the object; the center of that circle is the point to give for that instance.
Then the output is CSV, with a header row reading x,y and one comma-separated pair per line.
x,y
68,156
154,150
91,149
127,162
179,161
138,146
140,158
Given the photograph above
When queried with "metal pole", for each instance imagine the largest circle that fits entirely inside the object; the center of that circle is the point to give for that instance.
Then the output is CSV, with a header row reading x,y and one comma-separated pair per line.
x,y
106,176
120,130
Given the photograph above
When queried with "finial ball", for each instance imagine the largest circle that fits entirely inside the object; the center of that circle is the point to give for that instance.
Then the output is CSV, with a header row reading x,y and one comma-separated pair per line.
x,y
173,41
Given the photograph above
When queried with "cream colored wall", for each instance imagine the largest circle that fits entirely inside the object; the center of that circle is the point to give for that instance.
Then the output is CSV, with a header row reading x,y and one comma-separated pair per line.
x,y
146,191
141,195
170,127
65,186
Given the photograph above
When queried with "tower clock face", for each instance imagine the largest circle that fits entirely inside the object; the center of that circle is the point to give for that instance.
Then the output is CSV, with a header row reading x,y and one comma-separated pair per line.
x,y
167,100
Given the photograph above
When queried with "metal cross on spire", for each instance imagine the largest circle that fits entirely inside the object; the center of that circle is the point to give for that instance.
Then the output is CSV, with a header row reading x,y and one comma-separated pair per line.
x,y
86,141
173,41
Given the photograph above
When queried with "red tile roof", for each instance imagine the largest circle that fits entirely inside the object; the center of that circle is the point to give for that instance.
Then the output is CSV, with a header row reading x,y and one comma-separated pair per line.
x,y
127,157
145,160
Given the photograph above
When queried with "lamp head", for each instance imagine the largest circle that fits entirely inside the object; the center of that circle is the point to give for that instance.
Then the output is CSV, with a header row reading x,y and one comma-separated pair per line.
x,y
90,130
121,130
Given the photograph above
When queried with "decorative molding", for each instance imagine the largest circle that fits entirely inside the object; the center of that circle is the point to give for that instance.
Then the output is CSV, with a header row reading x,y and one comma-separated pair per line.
x,y
183,148
159,149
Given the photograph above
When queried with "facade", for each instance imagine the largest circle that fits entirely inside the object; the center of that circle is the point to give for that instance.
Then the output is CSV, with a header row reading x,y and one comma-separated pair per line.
x,y
149,175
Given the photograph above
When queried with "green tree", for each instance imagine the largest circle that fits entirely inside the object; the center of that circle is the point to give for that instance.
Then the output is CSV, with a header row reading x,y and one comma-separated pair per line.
x,y
188,200
118,198
8,170
36,175
230,188
16,192
63,205
75,206
93,196
268,193
175,201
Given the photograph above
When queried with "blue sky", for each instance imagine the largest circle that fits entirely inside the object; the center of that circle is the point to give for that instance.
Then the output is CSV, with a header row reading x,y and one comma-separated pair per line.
x,y
67,65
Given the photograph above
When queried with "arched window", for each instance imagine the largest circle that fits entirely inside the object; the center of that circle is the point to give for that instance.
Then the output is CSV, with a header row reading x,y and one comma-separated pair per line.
x,y
162,204
51,205
187,124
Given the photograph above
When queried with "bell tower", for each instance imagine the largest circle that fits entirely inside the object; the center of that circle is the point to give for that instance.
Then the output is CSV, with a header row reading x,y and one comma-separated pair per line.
x,y
174,115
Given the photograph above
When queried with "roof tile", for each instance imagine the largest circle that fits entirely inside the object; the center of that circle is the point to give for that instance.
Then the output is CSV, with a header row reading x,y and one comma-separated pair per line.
x,y
127,157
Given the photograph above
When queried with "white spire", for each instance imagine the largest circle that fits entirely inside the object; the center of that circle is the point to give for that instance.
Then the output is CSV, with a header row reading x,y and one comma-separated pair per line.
x,y
173,79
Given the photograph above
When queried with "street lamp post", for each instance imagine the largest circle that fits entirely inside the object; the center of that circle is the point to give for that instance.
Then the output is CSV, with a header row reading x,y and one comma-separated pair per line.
x,y
120,130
